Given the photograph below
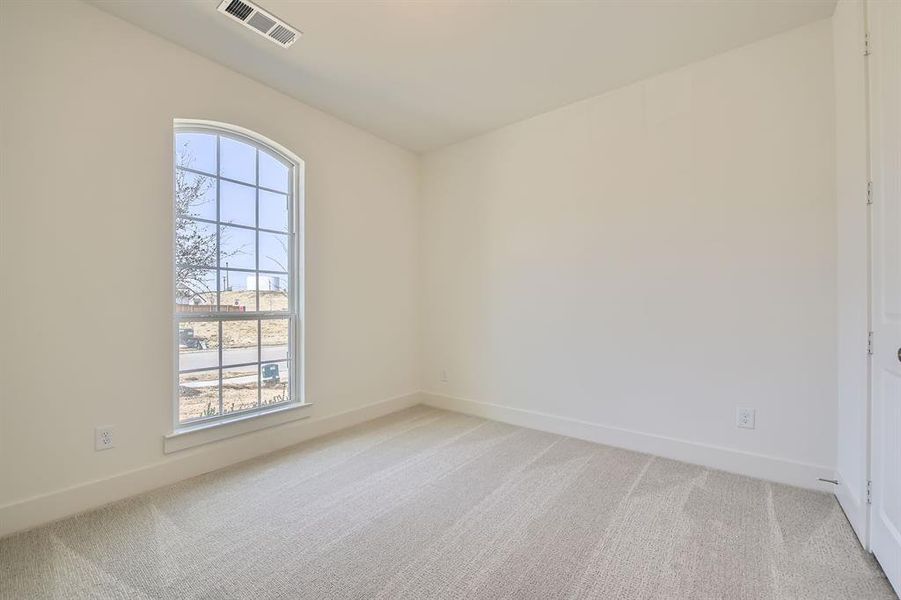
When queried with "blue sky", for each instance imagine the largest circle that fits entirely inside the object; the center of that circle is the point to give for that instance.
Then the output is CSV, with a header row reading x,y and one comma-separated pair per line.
x,y
238,161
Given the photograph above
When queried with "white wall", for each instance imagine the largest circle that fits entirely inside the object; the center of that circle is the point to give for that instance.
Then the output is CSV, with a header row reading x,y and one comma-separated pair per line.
x,y
645,261
851,268
628,269
87,109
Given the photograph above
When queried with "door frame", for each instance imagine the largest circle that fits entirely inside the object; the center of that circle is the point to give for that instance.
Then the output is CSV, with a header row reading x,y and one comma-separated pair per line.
x,y
876,246
855,259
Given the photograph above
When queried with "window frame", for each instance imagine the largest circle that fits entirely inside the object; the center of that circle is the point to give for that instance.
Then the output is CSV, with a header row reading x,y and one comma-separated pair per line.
x,y
294,314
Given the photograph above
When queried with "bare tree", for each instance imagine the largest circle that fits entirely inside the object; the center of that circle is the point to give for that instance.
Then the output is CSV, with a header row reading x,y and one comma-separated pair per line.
x,y
275,259
196,252
195,246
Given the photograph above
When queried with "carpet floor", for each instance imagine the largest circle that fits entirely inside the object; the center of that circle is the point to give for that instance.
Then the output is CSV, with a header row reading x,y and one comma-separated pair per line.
x,y
431,504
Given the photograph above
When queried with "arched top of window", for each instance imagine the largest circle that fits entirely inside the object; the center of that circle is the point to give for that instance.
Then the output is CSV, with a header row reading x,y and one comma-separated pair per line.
x,y
240,133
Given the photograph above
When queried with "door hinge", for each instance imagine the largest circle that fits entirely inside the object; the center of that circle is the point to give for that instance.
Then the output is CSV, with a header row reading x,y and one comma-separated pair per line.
x,y
866,43
870,343
869,492
869,192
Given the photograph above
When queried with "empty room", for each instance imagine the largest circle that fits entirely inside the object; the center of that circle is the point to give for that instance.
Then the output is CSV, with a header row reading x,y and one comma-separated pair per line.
x,y
450,299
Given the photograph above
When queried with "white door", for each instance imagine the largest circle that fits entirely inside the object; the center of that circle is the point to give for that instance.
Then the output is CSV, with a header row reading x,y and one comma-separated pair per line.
x,y
884,19
852,466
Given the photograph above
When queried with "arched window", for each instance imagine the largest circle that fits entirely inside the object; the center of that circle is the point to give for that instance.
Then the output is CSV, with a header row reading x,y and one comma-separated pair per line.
x,y
238,275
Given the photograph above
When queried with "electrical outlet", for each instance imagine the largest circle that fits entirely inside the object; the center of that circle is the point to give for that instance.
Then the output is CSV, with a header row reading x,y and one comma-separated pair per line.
x,y
745,417
104,438
443,376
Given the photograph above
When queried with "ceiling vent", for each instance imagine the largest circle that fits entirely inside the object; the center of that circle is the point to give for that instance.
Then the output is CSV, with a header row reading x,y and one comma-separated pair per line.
x,y
256,19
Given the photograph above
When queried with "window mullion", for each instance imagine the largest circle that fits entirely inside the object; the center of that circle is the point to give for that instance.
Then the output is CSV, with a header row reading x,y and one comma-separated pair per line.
x,y
235,316
259,362
257,254
256,207
218,237
218,255
220,367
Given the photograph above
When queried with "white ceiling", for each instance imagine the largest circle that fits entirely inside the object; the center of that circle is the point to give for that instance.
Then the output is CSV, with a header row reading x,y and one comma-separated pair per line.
x,y
426,74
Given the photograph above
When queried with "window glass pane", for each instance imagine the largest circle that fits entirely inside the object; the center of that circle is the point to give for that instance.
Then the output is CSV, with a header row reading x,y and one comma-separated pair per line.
x,y
238,291
273,174
195,289
198,395
273,251
239,342
195,243
274,291
275,386
195,195
240,388
198,345
239,204
237,247
237,160
196,151
273,211
274,339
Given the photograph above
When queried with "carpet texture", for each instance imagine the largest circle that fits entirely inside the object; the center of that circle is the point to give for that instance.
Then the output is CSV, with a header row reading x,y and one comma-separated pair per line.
x,y
430,504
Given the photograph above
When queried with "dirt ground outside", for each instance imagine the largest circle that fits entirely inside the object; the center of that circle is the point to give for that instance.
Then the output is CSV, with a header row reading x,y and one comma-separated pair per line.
x,y
243,334
239,385
203,402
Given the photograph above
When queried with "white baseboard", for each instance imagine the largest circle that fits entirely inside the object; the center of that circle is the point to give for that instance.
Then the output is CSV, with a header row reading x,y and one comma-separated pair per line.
x,y
855,507
38,510
759,466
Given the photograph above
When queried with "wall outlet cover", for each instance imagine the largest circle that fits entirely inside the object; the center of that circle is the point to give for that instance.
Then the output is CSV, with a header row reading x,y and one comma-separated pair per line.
x,y
104,438
745,418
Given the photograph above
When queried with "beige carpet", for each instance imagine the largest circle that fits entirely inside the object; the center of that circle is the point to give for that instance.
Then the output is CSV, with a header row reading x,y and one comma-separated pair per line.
x,y
430,504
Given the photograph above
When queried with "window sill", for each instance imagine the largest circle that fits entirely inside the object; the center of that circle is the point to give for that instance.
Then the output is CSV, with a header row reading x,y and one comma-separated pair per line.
x,y
204,433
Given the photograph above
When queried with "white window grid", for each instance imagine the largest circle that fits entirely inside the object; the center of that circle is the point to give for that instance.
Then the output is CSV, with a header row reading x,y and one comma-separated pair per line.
x,y
293,274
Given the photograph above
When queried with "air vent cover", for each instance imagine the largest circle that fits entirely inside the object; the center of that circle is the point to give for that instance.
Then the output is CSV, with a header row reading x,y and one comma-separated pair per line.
x,y
256,19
